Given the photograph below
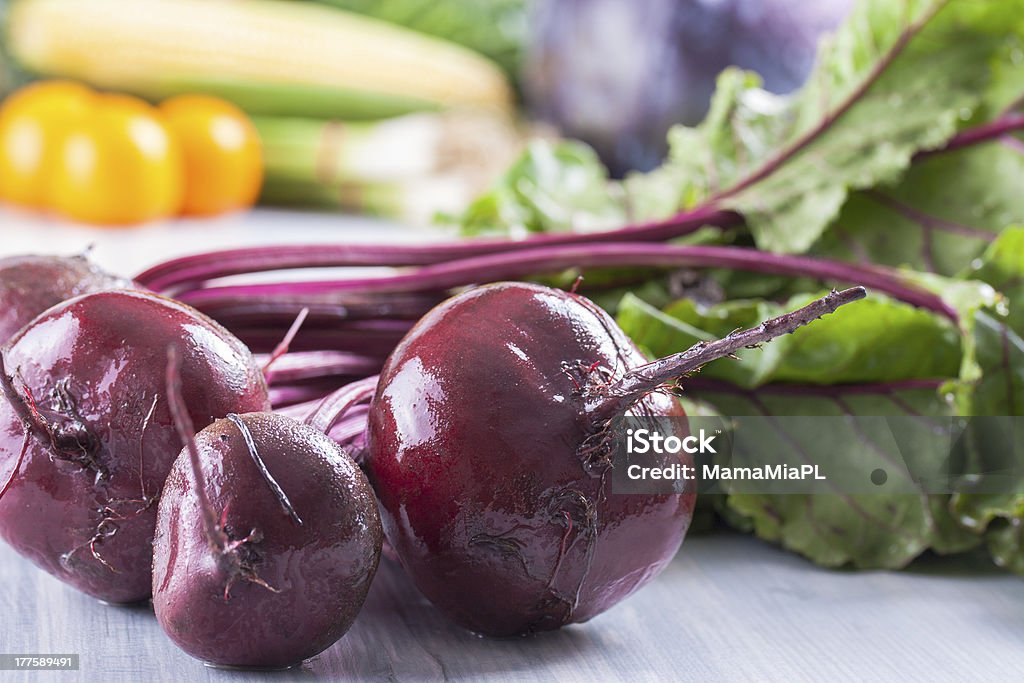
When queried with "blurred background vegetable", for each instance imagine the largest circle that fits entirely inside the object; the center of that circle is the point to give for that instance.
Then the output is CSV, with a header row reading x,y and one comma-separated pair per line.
x,y
410,168
6,66
221,147
267,56
612,74
324,82
618,74
497,29
33,125
118,164
114,159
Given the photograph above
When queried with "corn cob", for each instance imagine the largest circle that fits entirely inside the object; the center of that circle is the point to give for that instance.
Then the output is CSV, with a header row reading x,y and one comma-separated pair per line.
x,y
268,56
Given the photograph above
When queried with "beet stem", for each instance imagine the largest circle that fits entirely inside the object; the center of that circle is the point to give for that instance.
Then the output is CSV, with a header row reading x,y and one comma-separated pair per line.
x,y
856,95
295,367
187,433
1004,125
335,406
291,397
184,273
278,492
615,399
282,348
525,263
190,271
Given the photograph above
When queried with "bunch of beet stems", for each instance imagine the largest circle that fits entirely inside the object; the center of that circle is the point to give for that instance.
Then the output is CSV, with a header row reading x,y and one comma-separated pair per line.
x,y
354,322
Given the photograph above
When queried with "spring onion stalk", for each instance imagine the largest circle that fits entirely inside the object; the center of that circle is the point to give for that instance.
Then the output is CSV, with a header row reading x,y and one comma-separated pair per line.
x,y
415,201
408,168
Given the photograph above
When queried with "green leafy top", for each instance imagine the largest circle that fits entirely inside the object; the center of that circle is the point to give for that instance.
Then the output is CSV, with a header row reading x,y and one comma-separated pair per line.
x,y
897,78
875,340
841,169
552,187
881,358
1003,267
854,365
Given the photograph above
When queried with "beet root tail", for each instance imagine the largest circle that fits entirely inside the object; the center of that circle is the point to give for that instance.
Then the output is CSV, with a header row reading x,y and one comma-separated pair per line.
x,y
616,398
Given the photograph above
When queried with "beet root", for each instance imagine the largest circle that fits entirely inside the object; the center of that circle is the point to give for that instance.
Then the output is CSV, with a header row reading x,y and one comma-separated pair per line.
x,y
489,449
29,285
282,564
476,452
86,436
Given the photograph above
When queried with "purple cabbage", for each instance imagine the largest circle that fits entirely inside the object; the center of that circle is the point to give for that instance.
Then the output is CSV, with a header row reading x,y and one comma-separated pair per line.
x,y
619,74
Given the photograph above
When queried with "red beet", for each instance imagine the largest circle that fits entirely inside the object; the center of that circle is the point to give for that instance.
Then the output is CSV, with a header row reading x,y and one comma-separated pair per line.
x,y
475,439
487,440
268,537
86,437
30,285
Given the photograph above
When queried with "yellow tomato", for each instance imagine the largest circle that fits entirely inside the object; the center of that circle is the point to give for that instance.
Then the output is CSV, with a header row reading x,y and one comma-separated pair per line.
x,y
33,122
118,165
223,155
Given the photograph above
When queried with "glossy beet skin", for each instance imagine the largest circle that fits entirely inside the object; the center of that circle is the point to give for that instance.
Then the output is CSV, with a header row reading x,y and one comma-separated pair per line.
x,y
477,454
290,590
96,449
29,285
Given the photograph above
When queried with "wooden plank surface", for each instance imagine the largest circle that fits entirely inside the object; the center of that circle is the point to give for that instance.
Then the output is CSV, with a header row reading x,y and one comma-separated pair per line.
x,y
728,608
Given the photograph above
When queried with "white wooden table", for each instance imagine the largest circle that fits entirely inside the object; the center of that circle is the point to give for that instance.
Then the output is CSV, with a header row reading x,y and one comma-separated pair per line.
x,y
728,608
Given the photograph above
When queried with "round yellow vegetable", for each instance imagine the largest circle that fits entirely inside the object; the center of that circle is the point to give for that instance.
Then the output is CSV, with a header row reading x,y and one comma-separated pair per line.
x,y
118,165
33,123
223,155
